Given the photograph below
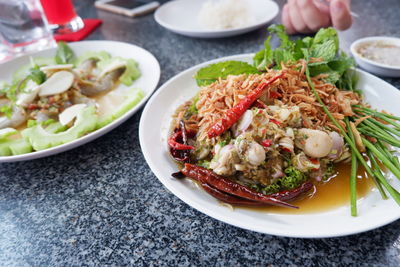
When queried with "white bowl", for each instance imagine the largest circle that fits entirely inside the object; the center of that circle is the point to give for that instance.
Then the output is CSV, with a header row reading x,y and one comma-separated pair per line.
x,y
180,16
373,66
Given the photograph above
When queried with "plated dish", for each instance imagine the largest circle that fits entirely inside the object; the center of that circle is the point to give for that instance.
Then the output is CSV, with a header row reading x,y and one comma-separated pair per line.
x,y
307,224
182,17
57,99
379,55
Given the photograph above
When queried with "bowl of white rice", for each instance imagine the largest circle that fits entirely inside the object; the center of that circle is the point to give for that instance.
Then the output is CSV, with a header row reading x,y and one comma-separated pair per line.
x,y
215,18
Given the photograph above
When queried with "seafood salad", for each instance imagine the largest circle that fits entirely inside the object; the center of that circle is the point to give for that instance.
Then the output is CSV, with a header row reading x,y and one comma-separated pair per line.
x,y
266,133
53,101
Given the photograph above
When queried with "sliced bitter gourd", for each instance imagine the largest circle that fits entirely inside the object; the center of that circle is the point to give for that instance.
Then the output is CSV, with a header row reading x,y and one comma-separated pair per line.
x,y
40,138
132,100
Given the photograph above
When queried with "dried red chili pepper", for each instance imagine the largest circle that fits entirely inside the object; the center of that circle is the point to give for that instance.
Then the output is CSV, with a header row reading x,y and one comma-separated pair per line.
x,y
178,143
274,95
230,199
233,114
275,121
223,184
267,143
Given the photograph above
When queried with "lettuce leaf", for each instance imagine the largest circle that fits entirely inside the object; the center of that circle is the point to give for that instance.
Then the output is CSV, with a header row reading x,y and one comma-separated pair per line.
x,y
213,72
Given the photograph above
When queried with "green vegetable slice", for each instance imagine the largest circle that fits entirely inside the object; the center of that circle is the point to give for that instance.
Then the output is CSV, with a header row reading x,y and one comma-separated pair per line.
x,y
41,139
211,73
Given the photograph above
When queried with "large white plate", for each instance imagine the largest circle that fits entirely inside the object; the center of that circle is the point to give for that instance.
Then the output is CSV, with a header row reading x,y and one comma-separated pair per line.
x,y
147,82
373,211
180,16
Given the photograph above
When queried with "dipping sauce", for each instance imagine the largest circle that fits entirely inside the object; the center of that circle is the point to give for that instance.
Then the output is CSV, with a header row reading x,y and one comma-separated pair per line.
x,y
381,52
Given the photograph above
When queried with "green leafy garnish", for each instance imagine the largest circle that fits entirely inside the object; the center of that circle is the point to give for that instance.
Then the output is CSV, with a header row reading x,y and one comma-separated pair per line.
x,y
7,110
64,54
324,46
211,73
36,75
293,179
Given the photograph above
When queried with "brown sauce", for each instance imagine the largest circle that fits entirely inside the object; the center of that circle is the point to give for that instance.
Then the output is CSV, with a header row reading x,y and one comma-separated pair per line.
x,y
328,195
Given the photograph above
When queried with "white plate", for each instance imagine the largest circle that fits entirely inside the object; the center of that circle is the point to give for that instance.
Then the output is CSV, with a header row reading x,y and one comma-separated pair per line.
x,y
373,211
147,82
373,66
180,16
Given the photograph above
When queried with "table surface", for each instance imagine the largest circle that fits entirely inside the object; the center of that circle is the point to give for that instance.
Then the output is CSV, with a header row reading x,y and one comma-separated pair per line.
x,y
100,204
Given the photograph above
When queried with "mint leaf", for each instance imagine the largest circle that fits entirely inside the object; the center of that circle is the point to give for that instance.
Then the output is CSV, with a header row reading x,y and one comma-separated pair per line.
x,y
64,54
211,73
326,51
264,57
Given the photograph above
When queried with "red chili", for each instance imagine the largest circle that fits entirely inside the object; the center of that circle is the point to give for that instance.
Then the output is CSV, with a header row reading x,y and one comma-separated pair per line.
x,y
275,121
230,199
286,149
267,143
259,104
233,114
32,106
289,195
178,146
223,184
274,95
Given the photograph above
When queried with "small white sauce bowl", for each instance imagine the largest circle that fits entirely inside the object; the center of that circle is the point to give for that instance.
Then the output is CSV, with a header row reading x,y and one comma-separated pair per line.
x,y
373,66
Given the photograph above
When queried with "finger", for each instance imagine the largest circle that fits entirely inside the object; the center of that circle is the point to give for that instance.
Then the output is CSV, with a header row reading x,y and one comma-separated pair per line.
x,y
286,20
296,19
322,6
340,14
312,16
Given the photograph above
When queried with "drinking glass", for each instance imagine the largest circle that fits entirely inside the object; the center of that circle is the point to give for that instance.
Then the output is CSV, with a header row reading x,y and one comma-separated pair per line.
x,y
62,16
23,27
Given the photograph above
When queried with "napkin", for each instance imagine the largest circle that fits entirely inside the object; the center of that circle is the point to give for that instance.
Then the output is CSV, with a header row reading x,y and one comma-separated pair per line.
x,y
90,26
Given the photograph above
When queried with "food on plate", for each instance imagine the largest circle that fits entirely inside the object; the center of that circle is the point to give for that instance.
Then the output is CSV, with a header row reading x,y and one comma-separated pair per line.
x,y
225,14
266,133
53,101
380,52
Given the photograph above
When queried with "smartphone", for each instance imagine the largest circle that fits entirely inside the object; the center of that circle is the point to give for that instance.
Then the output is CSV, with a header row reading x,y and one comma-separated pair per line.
x,y
131,8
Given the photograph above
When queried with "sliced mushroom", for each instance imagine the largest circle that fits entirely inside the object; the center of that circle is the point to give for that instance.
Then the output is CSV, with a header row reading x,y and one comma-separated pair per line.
x,y
57,67
69,114
317,144
58,83
30,92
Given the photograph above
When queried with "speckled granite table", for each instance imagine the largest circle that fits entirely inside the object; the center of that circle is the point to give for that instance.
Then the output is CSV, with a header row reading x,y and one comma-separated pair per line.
x,y
100,204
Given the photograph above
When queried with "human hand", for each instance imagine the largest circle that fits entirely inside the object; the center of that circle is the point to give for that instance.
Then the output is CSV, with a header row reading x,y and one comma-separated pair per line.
x,y
308,16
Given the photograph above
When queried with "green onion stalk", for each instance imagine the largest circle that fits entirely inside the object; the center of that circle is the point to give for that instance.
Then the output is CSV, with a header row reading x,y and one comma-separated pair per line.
x,y
379,130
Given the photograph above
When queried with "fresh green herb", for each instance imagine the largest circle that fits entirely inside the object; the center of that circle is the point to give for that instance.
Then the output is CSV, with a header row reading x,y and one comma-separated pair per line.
x,y
192,108
7,110
293,179
36,75
324,45
64,54
204,163
31,123
211,73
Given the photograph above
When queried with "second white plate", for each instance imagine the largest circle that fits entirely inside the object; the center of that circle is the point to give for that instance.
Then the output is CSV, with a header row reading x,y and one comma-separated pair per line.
x,y
180,16
150,75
